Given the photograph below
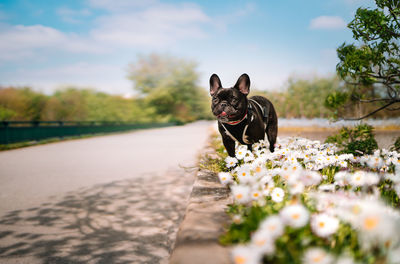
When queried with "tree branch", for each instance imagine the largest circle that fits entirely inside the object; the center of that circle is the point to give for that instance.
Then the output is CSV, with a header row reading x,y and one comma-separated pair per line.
x,y
375,100
393,15
373,112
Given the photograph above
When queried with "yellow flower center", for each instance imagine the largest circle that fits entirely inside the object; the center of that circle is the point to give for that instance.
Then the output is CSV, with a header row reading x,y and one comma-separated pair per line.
x,y
371,222
296,216
239,196
356,209
321,224
240,260
244,174
223,178
318,258
272,227
258,169
255,194
260,242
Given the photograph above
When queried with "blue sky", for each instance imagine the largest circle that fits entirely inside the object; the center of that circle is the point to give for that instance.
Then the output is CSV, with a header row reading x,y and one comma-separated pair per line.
x,y
49,44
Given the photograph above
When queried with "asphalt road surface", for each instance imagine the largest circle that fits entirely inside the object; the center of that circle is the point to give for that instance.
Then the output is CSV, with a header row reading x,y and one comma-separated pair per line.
x,y
109,199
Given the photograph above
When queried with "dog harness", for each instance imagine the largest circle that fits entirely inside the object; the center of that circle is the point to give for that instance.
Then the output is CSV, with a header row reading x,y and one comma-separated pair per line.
x,y
265,113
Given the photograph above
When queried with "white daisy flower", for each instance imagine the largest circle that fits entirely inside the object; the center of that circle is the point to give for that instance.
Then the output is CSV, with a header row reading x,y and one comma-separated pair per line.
x,y
372,178
243,174
256,195
259,170
324,225
231,161
225,178
296,188
263,241
341,178
241,152
343,164
345,260
309,177
245,255
237,219
317,256
277,195
248,156
241,193
358,178
291,173
273,224
377,225
374,162
295,215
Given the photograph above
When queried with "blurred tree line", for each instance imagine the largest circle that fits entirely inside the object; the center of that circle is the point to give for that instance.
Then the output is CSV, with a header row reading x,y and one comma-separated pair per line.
x,y
166,87
167,90
307,98
70,104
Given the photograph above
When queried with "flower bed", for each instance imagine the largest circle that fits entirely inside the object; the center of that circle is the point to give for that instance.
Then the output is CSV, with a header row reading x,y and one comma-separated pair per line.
x,y
309,203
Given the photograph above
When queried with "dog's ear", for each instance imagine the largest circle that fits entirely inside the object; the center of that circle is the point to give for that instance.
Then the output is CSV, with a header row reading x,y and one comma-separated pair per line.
x,y
243,84
215,84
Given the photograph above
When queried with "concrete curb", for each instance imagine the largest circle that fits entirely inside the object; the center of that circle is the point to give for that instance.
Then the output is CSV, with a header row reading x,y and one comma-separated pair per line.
x,y
204,221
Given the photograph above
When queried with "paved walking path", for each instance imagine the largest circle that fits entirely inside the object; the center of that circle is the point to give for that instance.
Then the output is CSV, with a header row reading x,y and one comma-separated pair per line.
x,y
110,199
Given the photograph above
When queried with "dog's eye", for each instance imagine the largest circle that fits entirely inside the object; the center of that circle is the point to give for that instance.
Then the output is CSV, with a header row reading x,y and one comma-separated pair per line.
x,y
215,99
234,100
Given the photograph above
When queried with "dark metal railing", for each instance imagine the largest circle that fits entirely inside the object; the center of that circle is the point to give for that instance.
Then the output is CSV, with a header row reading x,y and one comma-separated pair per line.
x,y
20,131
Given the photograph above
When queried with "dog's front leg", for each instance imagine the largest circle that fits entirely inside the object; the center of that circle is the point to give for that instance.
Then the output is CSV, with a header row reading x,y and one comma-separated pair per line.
x,y
229,145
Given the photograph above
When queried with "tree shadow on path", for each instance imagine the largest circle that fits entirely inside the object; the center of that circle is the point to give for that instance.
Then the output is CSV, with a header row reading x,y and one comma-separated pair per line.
x,y
129,221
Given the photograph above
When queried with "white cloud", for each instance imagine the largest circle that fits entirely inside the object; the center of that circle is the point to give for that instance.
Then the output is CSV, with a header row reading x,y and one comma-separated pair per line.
x,y
156,26
327,22
103,77
21,42
222,22
73,16
120,5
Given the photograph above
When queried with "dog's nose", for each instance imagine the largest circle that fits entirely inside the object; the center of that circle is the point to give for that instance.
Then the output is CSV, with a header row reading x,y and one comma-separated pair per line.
x,y
223,104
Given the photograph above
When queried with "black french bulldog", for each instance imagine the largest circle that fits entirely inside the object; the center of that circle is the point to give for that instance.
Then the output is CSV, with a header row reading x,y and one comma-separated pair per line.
x,y
242,119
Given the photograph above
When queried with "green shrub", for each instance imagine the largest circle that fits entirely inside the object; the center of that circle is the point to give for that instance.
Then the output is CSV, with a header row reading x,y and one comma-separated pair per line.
x,y
396,145
358,141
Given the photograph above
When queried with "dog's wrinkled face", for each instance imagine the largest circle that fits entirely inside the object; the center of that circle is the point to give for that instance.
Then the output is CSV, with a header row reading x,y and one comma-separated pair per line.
x,y
229,104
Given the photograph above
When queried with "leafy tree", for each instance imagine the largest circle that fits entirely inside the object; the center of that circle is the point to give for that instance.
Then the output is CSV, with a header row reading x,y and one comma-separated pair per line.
x,y
21,104
66,105
169,87
302,98
373,66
